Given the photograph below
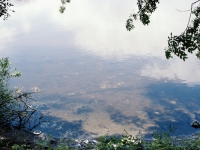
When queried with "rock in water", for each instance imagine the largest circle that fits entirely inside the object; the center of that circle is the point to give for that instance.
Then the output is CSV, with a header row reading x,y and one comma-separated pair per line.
x,y
195,124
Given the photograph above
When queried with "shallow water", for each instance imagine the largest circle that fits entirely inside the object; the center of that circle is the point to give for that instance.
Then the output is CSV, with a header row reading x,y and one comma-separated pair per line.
x,y
98,77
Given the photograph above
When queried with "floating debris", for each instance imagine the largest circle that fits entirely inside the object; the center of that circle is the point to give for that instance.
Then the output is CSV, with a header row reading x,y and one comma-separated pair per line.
x,y
105,85
70,94
59,128
173,102
45,124
120,83
126,101
37,132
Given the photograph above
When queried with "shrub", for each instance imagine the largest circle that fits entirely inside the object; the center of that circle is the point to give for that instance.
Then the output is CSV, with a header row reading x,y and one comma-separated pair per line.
x,y
7,103
14,108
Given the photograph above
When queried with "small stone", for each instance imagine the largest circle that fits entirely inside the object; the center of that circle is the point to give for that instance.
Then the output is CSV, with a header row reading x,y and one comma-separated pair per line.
x,y
76,140
42,136
195,124
52,141
86,141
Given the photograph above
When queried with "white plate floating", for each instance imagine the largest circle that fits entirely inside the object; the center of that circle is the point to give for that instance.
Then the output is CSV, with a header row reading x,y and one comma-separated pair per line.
x,y
37,132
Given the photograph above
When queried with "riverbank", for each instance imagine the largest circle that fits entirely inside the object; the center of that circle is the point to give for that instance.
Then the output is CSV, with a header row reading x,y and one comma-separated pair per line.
x,y
22,138
13,138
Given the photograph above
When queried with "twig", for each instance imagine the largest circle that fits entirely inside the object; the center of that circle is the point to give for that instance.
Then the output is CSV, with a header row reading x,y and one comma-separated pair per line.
x,y
183,10
25,94
190,14
16,113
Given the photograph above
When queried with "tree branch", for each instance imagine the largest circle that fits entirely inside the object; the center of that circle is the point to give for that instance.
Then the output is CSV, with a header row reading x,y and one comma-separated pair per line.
x,y
190,14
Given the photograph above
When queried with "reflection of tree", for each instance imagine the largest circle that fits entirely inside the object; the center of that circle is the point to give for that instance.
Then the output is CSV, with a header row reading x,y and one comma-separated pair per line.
x,y
187,42
62,8
4,8
180,45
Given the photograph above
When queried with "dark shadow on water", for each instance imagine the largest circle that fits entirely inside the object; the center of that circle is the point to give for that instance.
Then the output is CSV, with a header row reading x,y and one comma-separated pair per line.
x,y
180,120
179,114
181,92
83,110
120,118
161,94
57,127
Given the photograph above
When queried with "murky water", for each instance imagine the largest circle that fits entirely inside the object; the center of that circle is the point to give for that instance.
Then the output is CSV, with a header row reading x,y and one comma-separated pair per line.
x,y
98,77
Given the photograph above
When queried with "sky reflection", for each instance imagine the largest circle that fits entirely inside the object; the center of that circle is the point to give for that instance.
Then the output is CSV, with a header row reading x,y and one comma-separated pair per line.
x,y
102,77
100,31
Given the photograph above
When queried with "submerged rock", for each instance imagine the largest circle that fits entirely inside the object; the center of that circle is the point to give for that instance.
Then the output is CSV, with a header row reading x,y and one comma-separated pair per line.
x,y
195,124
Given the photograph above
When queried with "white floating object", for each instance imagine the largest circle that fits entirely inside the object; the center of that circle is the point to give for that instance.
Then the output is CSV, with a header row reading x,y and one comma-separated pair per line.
x,y
37,132
157,113
173,102
70,94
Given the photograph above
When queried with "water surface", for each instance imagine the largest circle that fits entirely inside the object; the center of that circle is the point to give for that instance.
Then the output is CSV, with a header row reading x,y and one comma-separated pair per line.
x,y
98,77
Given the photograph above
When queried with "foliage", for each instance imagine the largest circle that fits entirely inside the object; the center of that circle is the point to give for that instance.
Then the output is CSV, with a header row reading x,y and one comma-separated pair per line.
x,y
188,41
14,108
6,95
62,8
179,45
46,144
40,145
4,8
125,142
161,141
145,9
20,147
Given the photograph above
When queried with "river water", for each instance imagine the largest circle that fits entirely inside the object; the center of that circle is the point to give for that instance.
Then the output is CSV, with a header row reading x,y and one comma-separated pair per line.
x,y
99,78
